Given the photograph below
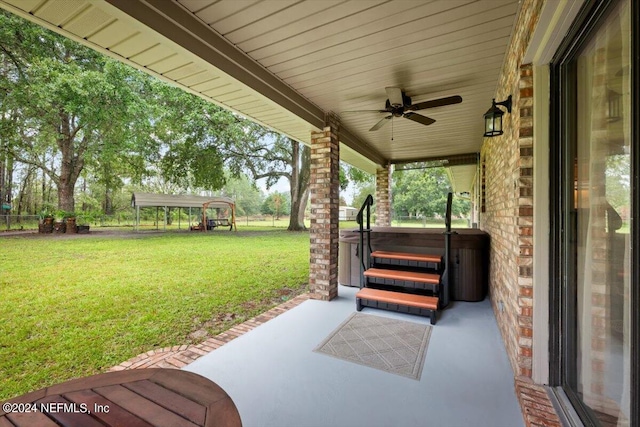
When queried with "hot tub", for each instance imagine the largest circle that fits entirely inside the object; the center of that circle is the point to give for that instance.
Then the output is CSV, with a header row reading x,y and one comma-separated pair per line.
x,y
469,255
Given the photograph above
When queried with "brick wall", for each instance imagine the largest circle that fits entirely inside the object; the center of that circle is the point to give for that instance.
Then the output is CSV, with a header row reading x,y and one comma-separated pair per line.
x,y
508,199
383,197
325,201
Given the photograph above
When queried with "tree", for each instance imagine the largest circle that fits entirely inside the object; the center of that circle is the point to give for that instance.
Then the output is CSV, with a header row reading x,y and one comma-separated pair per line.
x,y
361,182
247,196
192,133
423,193
618,181
66,103
362,192
6,176
352,175
274,156
276,204
70,112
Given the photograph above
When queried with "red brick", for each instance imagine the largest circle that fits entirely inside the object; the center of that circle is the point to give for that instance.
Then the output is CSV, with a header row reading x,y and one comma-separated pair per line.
x,y
526,92
526,311
525,351
525,291
525,372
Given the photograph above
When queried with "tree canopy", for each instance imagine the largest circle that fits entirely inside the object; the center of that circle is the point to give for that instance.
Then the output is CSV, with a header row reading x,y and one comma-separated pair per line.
x,y
423,193
70,112
65,106
273,156
276,204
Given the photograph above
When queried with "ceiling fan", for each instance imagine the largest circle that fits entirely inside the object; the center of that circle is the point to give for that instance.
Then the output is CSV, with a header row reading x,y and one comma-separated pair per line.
x,y
399,105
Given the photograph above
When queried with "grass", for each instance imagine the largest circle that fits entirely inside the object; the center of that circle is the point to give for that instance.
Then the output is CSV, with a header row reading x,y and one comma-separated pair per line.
x,y
76,307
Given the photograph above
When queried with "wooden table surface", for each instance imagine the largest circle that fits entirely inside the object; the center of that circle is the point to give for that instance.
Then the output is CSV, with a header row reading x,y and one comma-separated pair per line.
x,y
131,398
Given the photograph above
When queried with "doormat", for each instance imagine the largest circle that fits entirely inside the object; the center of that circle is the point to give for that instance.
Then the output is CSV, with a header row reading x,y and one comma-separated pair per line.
x,y
391,345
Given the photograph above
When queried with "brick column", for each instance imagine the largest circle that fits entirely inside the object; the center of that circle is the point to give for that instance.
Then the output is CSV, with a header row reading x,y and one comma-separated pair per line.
x,y
383,197
525,222
325,201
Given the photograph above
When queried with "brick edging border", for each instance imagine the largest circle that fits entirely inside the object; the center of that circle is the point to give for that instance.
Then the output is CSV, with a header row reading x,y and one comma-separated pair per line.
x,y
537,409
179,356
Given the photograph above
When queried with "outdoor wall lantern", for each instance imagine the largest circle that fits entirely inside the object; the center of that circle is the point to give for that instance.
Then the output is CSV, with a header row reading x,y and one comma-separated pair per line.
x,y
493,117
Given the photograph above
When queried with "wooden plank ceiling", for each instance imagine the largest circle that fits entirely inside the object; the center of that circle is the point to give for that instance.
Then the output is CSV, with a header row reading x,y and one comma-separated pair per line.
x,y
286,63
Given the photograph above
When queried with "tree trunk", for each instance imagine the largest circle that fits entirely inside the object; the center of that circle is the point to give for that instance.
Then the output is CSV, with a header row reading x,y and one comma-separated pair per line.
x,y
23,189
9,180
305,175
6,176
65,196
299,184
2,174
44,184
84,191
108,201
72,162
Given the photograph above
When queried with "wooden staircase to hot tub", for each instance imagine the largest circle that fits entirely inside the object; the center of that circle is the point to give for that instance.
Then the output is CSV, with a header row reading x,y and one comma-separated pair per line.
x,y
406,282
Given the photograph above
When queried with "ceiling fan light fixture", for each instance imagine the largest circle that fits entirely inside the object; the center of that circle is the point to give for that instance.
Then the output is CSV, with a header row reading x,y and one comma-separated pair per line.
x,y
396,96
493,117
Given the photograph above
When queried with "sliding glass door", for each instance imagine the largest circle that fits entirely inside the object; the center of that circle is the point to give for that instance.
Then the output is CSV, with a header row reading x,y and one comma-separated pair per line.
x,y
595,154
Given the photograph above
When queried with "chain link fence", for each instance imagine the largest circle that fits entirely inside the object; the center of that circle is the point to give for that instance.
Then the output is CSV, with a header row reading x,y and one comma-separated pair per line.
x,y
30,222
127,220
19,222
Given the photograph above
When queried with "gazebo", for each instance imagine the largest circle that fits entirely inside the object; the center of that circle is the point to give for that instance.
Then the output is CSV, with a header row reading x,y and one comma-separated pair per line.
x,y
147,200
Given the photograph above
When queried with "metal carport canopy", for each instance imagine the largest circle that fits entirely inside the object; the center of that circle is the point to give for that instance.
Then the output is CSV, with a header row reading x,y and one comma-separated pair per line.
x,y
144,200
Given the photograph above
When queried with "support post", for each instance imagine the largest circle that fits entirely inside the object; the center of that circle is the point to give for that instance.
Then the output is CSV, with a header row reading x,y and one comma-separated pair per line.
x,y
383,197
325,189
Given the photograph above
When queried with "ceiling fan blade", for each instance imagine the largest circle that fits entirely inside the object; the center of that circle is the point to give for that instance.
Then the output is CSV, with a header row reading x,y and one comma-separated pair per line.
x,y
423,120
380,123
395,96
365,111
440,102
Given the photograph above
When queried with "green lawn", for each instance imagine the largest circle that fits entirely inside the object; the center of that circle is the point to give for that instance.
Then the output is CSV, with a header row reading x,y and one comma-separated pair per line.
x,y
77,306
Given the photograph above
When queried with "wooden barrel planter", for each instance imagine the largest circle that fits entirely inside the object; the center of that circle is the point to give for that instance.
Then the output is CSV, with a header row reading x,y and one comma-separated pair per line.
x,y
46,226
59,227
83,229
71,225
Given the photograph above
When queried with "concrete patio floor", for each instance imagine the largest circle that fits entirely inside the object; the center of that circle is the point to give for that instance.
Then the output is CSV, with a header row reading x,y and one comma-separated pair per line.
x,y
275,378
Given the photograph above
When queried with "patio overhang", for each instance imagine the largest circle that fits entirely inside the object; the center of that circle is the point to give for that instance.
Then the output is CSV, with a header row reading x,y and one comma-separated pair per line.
x,y
287,65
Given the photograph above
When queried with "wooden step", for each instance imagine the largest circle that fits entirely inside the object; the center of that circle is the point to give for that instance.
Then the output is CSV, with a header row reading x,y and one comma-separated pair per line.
x,y
398,301
414,300
408,276
406,256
